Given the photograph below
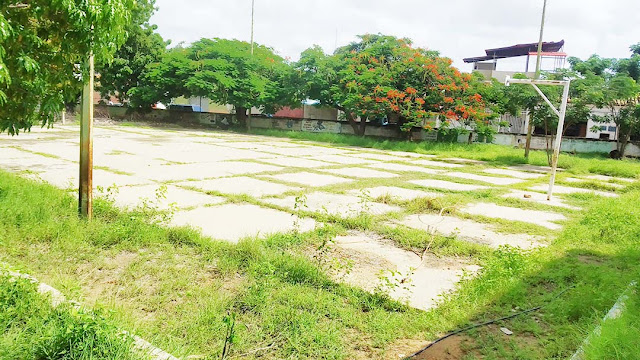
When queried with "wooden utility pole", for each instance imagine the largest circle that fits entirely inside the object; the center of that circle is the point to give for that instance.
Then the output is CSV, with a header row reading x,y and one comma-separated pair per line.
x,y
85,196
537,77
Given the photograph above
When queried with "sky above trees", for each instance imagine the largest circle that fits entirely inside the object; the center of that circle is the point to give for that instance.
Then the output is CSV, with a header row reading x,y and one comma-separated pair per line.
x,y
456,28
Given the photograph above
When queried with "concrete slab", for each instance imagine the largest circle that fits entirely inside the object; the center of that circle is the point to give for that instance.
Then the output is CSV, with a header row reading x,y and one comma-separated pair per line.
x,y
559,189
306,151
340,205
533,168
362,173
32,162
297,162
378,156
470,231
532,196
282,143
488,179
447,185
253,145
579,181
422,280
541,218
514,173
405,168
463,161
134,196
11,153
437,164
397,193
411,154
310,179
606,178
233,222
343,160
204,171
63,151
240,185
68,178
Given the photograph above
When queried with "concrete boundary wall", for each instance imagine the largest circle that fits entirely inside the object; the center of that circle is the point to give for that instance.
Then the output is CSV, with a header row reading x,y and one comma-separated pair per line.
x,y
577,145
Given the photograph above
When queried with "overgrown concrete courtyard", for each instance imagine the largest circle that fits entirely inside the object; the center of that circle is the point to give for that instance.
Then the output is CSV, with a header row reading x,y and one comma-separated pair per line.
x,y
400,224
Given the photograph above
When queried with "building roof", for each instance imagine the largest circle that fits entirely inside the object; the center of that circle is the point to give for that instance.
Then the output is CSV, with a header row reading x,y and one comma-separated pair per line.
x,y
517,50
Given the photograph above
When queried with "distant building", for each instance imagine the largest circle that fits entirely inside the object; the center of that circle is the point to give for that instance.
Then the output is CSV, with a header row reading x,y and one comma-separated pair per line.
x,y
553,58
524,56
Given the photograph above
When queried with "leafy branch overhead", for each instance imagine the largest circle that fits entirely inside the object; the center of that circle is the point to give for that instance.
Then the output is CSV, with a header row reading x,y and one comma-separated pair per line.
x,y
42,49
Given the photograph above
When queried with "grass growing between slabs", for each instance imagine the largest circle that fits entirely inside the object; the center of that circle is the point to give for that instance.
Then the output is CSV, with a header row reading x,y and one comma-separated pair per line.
x,y
32,329
498,155
175,288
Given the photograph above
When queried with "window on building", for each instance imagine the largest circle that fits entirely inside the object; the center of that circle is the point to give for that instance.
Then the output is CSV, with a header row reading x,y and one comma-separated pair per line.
x,y
603,128
605,136
612,128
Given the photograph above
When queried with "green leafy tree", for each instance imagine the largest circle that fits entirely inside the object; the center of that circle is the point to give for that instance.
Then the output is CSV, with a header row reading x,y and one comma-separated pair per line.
x,y
619,95
163,80
594,65
631,66
143,46
44,45
616,89
383,76
224,71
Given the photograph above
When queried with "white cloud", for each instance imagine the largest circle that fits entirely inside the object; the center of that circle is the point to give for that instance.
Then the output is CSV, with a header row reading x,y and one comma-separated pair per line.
x,y
456,28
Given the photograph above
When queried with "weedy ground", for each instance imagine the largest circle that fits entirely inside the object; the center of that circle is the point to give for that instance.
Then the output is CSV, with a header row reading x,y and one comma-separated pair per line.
x,y
175,287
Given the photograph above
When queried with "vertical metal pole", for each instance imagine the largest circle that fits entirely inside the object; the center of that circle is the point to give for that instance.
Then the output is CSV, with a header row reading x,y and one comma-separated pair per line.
x,y
558,143
85,198
253,7
539,60
537,76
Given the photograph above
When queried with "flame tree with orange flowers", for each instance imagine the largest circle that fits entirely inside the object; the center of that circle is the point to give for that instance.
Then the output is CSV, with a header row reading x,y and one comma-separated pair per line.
x,y
385,77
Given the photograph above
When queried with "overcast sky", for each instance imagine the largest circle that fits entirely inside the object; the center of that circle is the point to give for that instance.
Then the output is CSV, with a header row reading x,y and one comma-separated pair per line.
x,y
456,28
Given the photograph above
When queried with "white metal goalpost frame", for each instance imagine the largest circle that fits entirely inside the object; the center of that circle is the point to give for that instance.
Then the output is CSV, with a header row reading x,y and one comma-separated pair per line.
x,y
561,115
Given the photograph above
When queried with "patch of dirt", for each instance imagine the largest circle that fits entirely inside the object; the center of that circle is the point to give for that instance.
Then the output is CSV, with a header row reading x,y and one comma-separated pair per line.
x,y
402,349
453,348
590,259
100,279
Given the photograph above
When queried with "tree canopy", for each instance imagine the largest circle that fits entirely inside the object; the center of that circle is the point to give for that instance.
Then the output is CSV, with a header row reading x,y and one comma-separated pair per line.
x,y
143,46
386,77
617,89
224,71
44,45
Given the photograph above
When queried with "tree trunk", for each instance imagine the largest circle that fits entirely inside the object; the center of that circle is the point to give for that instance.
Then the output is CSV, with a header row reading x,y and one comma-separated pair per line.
x,y
530,128
622,144
549,143
241,115
470,141
358,128
363,127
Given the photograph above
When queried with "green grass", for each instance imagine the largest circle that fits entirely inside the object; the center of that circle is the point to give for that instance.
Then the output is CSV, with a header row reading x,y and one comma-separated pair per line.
x,y
618,337
32,329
